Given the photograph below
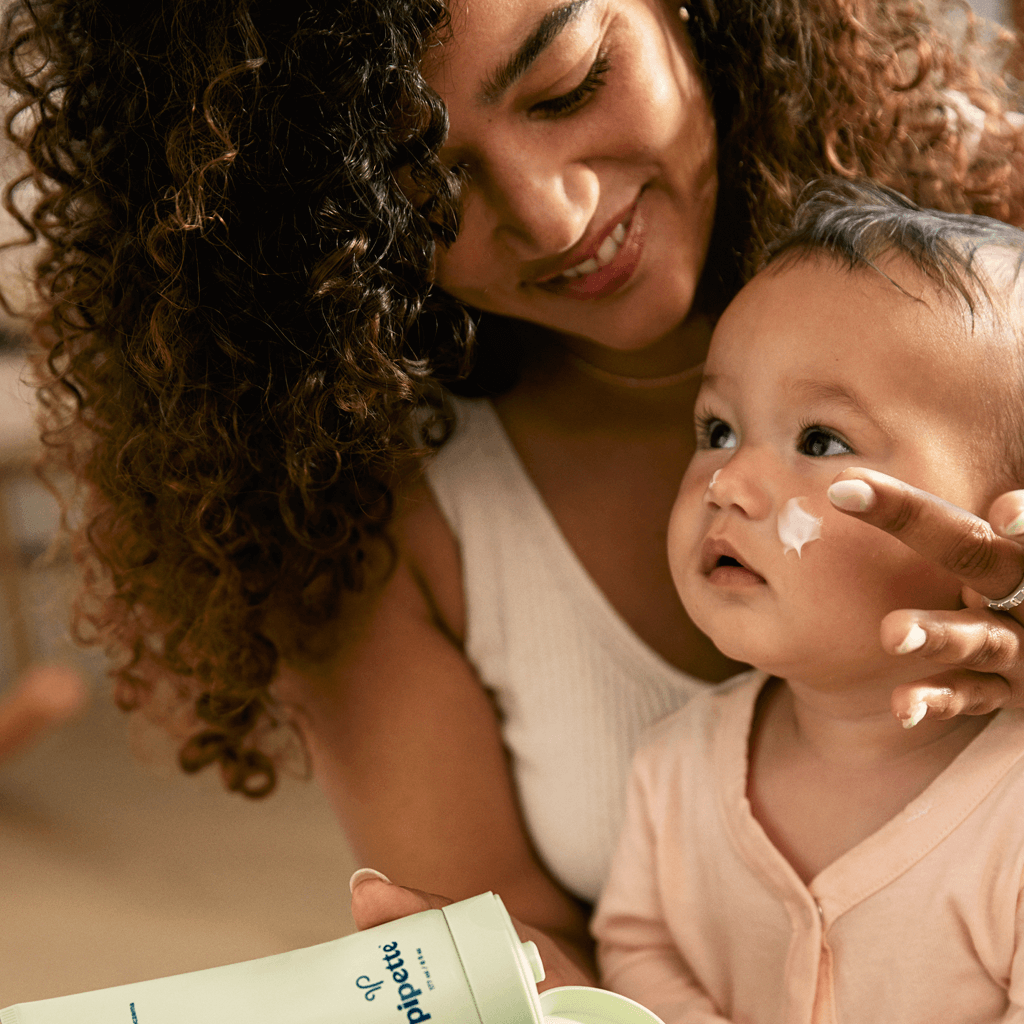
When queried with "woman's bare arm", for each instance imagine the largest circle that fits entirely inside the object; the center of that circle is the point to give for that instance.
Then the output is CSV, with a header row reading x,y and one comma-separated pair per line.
x,y
405,743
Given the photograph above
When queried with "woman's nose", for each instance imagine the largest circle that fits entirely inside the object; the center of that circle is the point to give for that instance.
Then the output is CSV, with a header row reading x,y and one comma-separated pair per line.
x,y
740,485
541,205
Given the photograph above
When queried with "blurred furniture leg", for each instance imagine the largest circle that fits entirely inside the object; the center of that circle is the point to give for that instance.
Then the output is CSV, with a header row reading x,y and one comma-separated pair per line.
x,y
43,697
20,653
19,444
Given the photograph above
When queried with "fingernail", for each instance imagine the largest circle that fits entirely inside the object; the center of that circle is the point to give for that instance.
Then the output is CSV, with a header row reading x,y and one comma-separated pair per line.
x,y
917,712
913,641
852,495
362,875
1015,528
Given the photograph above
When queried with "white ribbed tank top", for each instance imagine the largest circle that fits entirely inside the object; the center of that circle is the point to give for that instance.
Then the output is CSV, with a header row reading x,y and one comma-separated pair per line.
x,y
575,686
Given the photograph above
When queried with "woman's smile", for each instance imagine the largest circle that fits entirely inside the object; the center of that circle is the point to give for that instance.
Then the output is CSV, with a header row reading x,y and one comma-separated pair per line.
x,y
589,173
600,265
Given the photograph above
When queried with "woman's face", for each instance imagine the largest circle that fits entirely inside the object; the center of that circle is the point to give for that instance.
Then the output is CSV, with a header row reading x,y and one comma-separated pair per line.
x,y
588,148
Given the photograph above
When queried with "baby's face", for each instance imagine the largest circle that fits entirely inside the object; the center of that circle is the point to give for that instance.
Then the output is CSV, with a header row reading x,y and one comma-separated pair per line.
x,y
814,369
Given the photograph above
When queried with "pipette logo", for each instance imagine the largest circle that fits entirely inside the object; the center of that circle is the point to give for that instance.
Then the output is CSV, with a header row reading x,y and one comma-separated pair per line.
x,y
407,992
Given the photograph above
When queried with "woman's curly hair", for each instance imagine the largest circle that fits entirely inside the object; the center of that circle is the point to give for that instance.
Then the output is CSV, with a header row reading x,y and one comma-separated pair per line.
x,y
239,203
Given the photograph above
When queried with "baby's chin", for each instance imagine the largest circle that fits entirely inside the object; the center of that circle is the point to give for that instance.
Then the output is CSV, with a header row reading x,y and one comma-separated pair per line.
x,y
768,657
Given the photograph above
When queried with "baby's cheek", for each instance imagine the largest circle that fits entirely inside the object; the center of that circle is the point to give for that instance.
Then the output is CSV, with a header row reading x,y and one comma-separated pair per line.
x,y
684,528
861,572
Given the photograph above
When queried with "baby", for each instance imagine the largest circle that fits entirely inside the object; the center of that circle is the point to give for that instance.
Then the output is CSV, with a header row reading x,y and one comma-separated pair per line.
x,y
792,852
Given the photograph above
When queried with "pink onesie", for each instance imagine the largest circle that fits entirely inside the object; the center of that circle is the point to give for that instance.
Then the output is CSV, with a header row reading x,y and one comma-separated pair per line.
x,y
703,920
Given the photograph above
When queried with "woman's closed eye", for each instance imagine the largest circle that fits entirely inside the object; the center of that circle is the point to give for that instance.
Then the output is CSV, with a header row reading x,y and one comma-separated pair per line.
x,y
821,442
567,103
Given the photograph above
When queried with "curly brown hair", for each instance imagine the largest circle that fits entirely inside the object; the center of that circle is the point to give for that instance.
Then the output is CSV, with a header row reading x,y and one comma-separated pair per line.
x,y
240,348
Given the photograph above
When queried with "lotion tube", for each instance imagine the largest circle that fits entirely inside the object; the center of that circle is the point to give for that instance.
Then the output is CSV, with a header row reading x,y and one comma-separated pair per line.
x,y
406,972
464,964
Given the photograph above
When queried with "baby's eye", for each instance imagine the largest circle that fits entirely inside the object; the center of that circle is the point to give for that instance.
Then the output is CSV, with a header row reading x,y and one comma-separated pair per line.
x,y
820,442
718,434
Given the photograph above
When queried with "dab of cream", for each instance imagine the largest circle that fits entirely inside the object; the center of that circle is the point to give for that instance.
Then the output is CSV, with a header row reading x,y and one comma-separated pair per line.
x,y
797,527
711,484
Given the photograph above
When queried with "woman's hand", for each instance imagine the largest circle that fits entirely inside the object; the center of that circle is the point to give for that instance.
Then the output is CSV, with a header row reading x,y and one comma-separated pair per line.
x,y
376,900
976,651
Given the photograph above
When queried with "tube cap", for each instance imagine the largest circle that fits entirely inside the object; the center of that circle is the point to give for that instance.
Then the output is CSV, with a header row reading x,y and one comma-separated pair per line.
x,y
502,971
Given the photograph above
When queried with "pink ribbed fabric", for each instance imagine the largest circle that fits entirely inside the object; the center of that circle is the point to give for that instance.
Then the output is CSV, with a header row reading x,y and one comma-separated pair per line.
x,y
705,922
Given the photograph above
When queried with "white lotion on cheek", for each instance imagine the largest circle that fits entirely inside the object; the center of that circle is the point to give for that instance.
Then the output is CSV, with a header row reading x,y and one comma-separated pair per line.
x,y
797,527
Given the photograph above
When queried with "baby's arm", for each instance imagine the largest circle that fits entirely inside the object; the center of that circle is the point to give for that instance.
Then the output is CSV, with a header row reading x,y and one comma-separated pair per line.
x,y
636,953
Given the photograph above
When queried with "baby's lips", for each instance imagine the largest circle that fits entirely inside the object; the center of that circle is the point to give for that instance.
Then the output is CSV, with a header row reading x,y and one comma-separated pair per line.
x,y
715,548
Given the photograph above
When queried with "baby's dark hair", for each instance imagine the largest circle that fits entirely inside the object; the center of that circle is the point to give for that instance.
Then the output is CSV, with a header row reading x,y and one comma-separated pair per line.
x,y
858,222
981,260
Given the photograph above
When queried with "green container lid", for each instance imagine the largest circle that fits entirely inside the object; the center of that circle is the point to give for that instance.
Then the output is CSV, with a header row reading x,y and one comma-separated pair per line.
x,y
582,1005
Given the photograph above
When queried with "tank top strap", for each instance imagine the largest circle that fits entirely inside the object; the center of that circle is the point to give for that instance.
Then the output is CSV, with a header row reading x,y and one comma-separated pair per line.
x,y
481,485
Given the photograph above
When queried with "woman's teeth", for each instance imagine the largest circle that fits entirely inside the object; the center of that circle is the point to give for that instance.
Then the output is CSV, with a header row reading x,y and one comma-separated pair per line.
x,y
609,247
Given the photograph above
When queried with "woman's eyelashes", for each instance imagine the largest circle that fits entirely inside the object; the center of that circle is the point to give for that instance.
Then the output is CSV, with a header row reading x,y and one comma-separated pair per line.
x,y
821,442
567,103
558,106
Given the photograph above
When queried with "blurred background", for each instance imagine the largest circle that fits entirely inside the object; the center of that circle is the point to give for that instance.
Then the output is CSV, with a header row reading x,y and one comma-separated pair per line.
x,y
114,866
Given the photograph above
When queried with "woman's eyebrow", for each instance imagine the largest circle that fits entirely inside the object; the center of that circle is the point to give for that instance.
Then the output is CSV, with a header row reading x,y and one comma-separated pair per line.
x,y
498,83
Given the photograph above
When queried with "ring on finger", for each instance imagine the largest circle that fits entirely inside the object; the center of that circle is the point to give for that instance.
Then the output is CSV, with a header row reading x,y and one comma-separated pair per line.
x,y
1014,599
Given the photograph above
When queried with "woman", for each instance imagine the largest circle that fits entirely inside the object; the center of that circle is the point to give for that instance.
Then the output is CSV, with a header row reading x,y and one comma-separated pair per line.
x,y
244,208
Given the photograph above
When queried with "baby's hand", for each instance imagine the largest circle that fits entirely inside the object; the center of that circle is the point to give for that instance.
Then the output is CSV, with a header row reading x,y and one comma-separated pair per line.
x,y
377,900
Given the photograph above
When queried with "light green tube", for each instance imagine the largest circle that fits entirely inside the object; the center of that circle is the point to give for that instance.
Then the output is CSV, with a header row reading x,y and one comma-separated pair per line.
x,y
464,964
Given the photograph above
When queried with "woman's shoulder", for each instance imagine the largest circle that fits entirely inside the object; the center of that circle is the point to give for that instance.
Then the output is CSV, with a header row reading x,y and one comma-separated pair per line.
x,y
428,548
415,585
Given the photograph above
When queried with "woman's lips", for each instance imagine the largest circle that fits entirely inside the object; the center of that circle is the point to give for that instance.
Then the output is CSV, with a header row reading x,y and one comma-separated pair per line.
x,y
614,274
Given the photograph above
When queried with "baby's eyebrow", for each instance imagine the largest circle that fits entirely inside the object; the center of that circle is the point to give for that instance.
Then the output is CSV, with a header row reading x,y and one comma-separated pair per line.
x,y
832,391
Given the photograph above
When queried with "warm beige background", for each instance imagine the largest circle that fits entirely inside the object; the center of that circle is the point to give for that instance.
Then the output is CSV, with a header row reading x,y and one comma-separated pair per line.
x,y
115,867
